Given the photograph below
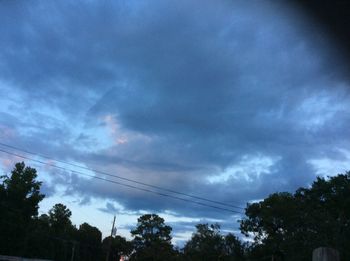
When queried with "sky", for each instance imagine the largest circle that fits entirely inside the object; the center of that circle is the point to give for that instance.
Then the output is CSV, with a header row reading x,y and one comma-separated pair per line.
x,y
226,100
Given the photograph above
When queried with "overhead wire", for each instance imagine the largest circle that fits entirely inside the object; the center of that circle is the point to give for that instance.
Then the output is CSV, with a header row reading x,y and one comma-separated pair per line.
x,y
121,178
120,183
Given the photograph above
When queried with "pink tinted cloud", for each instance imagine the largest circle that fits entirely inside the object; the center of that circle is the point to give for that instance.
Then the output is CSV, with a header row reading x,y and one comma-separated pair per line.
x,y
121,136
114,129
9,161
6,132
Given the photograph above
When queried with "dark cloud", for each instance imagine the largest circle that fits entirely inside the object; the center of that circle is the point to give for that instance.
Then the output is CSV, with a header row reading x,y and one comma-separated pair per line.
x,y
173,94
110,208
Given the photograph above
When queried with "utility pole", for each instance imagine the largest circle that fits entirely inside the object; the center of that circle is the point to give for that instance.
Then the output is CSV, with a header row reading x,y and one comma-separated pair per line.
x,y
73,249
110,241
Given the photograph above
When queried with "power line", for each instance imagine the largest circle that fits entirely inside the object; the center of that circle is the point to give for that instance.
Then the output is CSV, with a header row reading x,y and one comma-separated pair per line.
x,y
122,178
121,184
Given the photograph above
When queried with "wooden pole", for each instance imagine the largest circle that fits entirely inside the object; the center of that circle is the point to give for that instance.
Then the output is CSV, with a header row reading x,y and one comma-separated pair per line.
x,y
73,249
325,254
110,241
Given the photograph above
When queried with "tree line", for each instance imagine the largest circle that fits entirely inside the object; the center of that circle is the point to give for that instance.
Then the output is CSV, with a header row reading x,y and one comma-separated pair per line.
x,y
284,226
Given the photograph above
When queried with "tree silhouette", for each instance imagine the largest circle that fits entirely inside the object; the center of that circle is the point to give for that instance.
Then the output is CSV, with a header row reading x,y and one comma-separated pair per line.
x,y
309,218
62,232
59,219
207,243
152,239
19,202
89,239
118,247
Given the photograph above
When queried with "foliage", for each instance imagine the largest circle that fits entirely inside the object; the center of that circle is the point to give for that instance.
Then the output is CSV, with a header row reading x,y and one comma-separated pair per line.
x,y
152,239
118,245
39,243
59,219
279,225
61,232
309,218
234,249
89,239
51,235
207,243
19,200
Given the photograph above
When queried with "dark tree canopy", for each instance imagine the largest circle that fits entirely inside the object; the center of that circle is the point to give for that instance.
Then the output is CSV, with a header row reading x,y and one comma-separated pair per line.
x,y
89,239
309,218
279,225
21,191
207,243
59,218
19,202
62,232
152,239
234,249
119,246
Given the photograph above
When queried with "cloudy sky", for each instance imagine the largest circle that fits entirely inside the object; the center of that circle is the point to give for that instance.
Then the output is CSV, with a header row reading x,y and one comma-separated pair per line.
x,y
219,99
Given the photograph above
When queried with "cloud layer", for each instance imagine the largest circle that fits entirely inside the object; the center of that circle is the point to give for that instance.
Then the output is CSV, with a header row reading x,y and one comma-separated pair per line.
x,y
230,101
